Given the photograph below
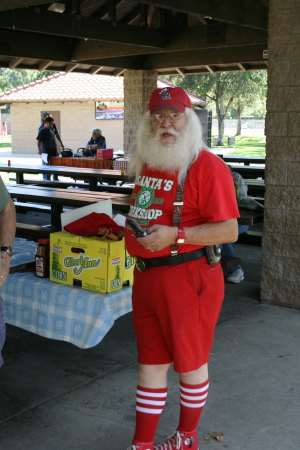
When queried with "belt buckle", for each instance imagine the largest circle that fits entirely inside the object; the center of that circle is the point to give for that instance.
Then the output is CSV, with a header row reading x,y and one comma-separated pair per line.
x,y
139,264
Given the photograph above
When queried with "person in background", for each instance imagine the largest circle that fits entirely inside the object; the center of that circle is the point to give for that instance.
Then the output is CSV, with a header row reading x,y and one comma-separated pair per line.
x,y
96,142
177,295
46,144
54,129
235,274
7,235
4,129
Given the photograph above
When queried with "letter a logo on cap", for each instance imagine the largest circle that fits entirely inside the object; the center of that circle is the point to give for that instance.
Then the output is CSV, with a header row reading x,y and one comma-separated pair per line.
x,y
165,94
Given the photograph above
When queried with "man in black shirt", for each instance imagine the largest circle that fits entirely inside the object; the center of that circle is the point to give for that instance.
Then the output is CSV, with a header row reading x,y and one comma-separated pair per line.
x,y
47,144
54,129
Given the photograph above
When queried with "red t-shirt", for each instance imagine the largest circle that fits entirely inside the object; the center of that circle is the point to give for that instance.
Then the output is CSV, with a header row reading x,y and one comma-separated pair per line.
x,y
209,196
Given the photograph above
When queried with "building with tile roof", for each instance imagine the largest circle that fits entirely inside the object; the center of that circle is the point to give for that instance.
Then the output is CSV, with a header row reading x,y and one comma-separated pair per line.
x,y
76,102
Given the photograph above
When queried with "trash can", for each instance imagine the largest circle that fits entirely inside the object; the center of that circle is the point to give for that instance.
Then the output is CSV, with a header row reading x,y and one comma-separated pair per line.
x,y
216,140
231,140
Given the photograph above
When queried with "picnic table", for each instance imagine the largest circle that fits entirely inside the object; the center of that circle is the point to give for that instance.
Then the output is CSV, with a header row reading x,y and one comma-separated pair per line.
x,y
77,173
249,171
58,311
58,198
250,217
84,161
255,187
246,160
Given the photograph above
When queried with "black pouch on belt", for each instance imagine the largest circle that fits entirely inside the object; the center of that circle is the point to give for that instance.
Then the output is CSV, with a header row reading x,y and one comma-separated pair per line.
x,y
213,254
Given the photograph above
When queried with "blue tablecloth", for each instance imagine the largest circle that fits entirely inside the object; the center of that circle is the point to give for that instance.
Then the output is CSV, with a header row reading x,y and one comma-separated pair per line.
x,y
57,311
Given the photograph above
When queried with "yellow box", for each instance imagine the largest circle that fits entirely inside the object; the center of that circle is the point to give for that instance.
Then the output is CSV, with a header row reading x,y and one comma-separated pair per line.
x,y
128,267
89,262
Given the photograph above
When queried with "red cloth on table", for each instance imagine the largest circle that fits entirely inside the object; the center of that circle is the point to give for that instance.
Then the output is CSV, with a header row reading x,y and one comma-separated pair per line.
x,y
90,224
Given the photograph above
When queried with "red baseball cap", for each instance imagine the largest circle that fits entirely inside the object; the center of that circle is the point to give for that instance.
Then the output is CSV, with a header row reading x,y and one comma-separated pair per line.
x,y
169,97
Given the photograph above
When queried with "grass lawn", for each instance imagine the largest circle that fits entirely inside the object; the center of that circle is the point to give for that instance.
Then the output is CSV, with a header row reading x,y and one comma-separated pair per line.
x,y
247,146
5,142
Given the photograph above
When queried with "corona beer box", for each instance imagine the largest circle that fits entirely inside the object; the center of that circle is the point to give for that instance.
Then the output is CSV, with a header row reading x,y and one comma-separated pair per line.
x,y
107,153
89,262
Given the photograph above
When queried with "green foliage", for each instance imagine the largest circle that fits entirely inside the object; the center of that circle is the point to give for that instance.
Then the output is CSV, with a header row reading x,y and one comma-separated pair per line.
x,y
11,79
226,90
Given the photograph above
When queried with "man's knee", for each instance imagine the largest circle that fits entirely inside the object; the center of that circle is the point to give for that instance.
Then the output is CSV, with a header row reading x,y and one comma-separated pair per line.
x,y
197,376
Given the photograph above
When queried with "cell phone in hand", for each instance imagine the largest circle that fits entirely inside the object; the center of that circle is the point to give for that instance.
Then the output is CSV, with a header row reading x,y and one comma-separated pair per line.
x,y
139,232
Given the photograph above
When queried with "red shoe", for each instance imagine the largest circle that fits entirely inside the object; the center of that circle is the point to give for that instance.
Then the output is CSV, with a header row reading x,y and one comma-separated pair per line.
x,y
140,446
180,440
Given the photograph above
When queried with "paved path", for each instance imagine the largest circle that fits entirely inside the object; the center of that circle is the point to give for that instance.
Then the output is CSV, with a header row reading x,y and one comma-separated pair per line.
x,y
54,396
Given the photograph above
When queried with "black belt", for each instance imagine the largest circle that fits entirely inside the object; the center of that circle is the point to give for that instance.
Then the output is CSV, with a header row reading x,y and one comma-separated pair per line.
x,y
143,264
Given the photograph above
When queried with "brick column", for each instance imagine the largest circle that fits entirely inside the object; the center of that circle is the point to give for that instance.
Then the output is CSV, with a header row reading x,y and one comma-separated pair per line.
x,y
280,283
138,85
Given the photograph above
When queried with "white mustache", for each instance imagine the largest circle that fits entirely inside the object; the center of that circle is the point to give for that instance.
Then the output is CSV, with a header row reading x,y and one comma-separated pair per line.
x,y
161,131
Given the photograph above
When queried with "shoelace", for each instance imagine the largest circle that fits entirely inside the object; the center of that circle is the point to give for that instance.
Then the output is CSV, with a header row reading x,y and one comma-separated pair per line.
x,y
168,444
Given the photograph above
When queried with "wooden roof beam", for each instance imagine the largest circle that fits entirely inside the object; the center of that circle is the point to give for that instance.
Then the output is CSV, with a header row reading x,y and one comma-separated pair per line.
x,y
242,67
119,72
44,64
27,45
50,23
11,4
209,69
95,69
192,38
70,67
180,71
205,57
239,12
103,10
13,63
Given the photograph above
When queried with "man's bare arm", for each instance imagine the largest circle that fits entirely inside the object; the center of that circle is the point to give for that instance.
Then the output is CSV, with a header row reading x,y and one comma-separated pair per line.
x,y
161,236
7,235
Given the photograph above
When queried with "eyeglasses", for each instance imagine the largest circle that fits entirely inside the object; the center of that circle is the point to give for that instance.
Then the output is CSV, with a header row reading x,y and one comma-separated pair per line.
x,y
172,117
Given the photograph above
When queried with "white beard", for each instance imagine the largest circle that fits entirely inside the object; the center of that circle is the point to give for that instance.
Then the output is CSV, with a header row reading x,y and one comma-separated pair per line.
x,y
169,157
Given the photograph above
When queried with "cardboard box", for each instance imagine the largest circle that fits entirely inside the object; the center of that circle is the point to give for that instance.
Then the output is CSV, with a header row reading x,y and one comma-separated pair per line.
x,y
105,154
89,262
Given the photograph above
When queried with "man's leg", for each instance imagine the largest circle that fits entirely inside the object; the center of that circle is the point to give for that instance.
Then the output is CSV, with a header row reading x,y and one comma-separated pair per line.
x,y
150,401
46,176
193,393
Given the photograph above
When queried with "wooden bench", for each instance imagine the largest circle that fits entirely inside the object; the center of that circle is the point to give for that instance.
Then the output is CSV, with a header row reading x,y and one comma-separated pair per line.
x,y
229,261
32,232
250,238
246,160
115,189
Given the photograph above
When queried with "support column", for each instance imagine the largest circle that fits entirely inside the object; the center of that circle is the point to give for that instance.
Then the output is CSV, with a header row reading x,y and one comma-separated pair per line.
x,y
138,85
280,283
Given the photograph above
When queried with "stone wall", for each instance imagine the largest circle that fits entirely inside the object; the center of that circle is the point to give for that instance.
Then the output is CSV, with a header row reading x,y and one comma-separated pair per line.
x,y
77,120
281,258
138,85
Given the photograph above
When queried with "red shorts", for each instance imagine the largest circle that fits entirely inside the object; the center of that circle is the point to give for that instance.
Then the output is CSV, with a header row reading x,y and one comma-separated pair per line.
x,y
175,310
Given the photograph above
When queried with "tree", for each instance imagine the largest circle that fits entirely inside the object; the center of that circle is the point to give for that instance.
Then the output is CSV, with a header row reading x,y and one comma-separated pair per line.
x,y
253,93
10,79
225,89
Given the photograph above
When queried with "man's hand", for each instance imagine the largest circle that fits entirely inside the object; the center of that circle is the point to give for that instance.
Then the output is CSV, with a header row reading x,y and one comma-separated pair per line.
x,y
159,237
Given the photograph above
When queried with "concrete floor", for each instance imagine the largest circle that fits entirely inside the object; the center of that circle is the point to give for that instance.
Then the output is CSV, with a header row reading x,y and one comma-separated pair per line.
x,y
55,396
